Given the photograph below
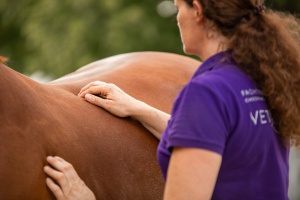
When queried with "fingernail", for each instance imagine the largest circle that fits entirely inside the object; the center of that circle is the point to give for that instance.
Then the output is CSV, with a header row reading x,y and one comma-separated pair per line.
x,y
88,97
49,157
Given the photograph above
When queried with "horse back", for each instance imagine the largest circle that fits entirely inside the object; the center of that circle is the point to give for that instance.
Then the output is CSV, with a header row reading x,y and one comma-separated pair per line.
x,y
115,157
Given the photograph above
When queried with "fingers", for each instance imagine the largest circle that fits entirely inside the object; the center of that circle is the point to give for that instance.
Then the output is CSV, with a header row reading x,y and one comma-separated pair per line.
x,y
101,91
112,98
91,84
98,90
69,185
63,173
59,178
95,100
55,189
63,166
83,91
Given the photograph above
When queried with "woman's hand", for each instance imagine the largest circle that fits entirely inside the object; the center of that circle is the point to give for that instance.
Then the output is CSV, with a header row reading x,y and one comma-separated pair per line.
x,y
70,186
116,101
110,97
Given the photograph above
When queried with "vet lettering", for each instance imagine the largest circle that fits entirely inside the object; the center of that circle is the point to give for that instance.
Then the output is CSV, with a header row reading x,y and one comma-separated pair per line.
x,y
260,117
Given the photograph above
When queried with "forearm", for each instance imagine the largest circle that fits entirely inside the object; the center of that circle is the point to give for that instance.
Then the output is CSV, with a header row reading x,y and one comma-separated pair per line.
x,y
151,118
190,169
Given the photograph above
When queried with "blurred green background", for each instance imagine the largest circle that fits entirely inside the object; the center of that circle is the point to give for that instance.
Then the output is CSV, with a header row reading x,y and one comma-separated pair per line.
x,y
59,36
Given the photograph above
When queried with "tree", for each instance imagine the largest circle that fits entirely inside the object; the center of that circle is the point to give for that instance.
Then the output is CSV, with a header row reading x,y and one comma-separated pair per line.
x,y
58,37
61,36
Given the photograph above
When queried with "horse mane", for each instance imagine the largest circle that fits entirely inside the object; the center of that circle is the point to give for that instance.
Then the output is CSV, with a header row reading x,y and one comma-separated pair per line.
x,y
3,59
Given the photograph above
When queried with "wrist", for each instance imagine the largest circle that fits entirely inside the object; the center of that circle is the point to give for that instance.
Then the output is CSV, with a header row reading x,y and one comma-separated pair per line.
x,y
137,109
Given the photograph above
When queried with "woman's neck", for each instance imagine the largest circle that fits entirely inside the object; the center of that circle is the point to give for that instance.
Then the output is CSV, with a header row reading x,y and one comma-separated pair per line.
x,y
212,46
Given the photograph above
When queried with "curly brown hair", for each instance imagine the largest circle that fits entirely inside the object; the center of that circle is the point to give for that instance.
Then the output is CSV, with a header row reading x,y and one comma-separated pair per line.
x,y
266,45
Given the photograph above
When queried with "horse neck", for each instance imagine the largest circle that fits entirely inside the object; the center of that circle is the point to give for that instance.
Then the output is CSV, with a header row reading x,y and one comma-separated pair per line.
x,y
16,89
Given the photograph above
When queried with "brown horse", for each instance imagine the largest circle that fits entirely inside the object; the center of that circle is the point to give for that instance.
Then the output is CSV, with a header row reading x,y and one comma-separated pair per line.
x,y
115,157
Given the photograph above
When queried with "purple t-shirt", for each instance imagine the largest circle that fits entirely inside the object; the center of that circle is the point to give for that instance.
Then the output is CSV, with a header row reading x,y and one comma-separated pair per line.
x,y
222,110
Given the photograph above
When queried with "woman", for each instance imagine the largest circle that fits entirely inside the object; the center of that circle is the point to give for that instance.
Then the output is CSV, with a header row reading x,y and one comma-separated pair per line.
x,y
231,125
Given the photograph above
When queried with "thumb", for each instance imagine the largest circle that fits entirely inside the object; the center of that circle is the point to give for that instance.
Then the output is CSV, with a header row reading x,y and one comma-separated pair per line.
x,y
94,99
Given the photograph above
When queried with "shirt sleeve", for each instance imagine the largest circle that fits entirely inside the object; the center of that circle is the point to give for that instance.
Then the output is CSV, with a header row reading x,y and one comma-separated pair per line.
x,y
199,118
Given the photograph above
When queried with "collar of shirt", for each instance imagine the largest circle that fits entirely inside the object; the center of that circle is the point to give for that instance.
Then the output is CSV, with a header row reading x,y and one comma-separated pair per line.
x,y
213,61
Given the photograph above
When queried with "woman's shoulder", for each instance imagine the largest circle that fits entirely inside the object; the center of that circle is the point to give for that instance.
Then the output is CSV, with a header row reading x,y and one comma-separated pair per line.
x,y
223,76
220,69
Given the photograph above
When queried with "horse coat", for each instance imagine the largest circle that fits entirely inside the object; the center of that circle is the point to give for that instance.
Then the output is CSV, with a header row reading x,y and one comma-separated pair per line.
x,y
115,157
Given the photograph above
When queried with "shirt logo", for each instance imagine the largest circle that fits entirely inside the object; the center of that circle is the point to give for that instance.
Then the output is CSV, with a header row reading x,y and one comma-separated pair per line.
x,y
252,95
260,116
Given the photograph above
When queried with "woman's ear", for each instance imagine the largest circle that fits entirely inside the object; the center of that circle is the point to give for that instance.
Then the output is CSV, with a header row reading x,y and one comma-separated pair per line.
x,y
199,11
